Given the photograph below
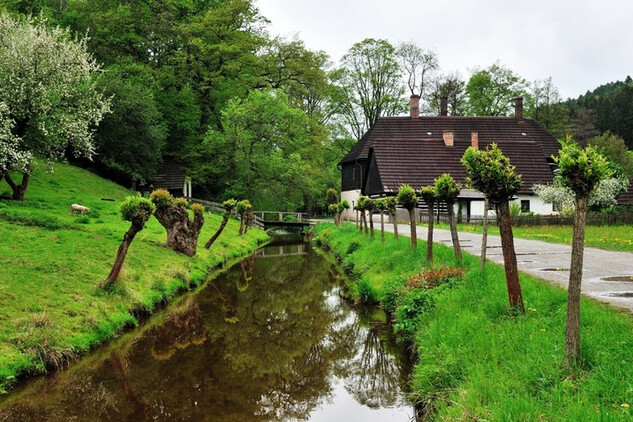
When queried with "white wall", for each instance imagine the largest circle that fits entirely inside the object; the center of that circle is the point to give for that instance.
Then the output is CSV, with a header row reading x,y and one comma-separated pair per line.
x,y
537,206
350,196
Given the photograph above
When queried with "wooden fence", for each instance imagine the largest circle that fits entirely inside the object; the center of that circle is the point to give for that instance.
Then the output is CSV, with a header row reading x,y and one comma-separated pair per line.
x,y
540,220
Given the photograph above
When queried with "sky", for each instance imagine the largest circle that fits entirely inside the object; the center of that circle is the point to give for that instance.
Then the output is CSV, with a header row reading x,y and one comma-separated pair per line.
x,y
580,44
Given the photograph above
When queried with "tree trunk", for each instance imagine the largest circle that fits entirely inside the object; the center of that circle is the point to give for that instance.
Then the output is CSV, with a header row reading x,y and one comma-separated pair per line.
x,y
18,190
371,224
382,226
572,331
357,220
242,223
307,199
484,238
182,233
218,232
395,227
509,256
365,222
451,220
121,254
414,234
429,236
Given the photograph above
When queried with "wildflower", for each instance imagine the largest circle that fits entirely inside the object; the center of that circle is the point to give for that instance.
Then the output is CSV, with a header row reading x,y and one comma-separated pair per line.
x,y
624,405
531,309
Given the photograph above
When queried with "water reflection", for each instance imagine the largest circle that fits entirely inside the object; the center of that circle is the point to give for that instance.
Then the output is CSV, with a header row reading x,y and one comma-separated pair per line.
x,y
270,340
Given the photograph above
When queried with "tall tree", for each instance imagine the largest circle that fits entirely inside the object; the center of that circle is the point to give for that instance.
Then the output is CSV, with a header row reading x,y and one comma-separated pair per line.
x,y
547,108
447,190
47,83
491,91
266,150
491,173
581,170
614,148
409,201
452,87
368,85
419,66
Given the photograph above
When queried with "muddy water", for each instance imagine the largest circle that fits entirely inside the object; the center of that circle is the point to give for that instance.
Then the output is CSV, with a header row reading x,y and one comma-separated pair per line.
x,y
269,340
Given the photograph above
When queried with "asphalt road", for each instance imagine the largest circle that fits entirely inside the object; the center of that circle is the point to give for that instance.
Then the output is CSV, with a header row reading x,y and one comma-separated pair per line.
x,y
550,261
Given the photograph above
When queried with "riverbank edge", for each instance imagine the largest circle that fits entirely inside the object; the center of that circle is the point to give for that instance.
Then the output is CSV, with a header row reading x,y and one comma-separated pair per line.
x,y
128,334
469,362
185,279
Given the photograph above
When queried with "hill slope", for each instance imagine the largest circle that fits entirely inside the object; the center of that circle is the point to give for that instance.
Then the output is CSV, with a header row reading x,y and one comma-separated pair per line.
x,y
52,263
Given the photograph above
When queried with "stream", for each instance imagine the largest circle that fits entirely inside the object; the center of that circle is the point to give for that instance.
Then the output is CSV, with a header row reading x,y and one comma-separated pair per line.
x,y
271,339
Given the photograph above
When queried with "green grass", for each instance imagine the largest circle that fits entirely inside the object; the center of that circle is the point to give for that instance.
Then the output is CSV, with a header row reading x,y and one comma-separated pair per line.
x,y
476,360
614,238
51,264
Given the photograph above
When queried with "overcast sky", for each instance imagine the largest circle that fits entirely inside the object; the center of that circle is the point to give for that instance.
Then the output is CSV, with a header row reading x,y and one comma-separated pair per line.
x,y
581,44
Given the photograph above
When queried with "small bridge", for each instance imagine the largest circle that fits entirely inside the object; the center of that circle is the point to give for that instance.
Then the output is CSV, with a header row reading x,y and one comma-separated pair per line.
x,y
267,219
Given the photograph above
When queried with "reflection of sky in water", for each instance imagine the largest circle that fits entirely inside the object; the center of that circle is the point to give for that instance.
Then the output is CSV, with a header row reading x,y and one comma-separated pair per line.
x,y
270,340
344,407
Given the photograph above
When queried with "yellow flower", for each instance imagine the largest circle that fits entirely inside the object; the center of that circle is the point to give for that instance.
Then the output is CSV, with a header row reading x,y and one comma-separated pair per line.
x,y
531,309
624,405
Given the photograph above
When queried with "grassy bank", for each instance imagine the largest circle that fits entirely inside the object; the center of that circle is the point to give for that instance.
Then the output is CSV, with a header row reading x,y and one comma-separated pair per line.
x,y
613,238
52,264
476,361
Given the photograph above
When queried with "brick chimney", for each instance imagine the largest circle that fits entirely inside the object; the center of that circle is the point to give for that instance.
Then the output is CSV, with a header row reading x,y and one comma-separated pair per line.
x,y
474,140
444,106
414,110
518,108
448,138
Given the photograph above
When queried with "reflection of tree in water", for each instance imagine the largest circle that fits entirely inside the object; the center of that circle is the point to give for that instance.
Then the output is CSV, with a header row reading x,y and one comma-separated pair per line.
x,y
183,328
375,379
269,352
247,266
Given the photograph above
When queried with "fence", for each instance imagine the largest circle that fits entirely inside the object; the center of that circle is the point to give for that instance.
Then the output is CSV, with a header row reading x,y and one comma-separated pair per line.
x,y
541,220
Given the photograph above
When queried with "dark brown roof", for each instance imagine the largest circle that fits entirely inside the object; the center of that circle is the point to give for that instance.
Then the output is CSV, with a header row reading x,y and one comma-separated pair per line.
x,y
413,151
170,175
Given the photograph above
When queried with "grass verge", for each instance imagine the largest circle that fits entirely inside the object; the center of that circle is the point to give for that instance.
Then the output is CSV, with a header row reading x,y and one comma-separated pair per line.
x,y
52,263
476,360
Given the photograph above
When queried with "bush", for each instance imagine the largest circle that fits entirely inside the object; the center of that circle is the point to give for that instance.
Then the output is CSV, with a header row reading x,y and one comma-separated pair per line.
x,y
365,292
416,303
289,218
433,277
353,247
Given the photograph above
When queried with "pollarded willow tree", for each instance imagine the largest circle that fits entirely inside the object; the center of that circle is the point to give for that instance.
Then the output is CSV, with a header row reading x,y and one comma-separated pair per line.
x,y
229,206
381,205
136,210
364,204
48,86
491,173
243,208
581,170
391,207
447,190
429,196
409,200
172,214
343,207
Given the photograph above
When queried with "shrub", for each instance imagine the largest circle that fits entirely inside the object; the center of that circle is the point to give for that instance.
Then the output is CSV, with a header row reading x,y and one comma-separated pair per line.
x,y
416,303
433,277
290,218
353,247
365,292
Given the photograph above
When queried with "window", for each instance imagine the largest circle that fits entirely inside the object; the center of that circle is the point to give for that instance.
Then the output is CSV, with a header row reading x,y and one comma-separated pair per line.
x,y
525,205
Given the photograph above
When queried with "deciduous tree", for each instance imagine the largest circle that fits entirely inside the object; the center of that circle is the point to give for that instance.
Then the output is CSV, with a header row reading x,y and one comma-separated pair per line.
x,y
429,196
490,172
363,204
391,204
581,170
172,214
409,200
47,83
368,84
491,91
447,190
229,206
136,210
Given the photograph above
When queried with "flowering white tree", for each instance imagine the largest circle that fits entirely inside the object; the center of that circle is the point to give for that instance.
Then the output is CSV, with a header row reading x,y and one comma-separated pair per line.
x,y
605,195
11,158
47,84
